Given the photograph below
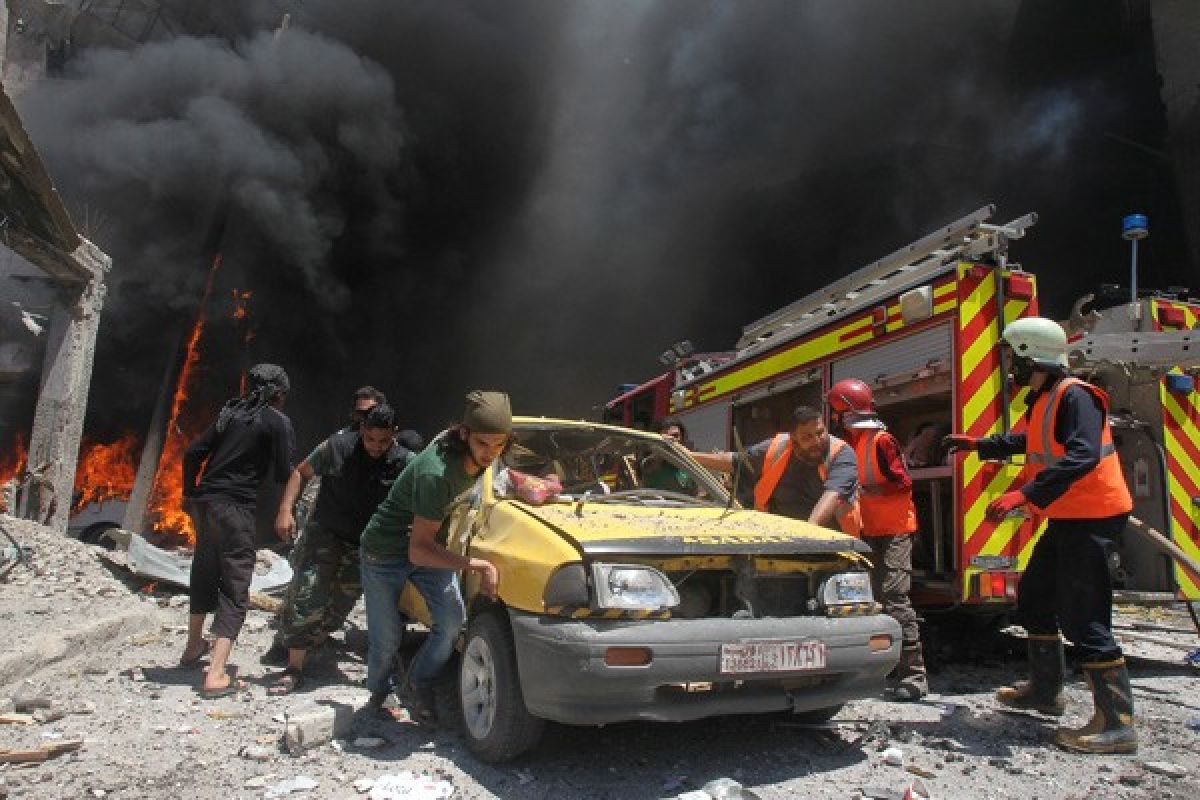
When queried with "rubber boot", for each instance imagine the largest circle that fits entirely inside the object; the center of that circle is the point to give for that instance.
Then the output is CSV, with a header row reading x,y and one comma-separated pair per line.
x,y
1047,670
1110,729
911,681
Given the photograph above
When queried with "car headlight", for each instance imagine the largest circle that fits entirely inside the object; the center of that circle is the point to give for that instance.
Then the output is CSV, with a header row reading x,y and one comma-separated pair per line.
x,y
632,587
846,588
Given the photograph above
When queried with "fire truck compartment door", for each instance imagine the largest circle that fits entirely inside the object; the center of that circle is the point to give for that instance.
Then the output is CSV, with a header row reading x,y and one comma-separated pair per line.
x,y
901,356
707,426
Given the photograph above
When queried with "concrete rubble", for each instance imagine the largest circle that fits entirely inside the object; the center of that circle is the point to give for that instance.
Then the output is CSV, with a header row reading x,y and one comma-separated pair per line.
x,y
90,657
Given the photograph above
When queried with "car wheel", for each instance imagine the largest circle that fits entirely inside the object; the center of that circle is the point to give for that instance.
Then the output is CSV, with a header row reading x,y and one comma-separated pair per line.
x,y
97,535
495,721
817,715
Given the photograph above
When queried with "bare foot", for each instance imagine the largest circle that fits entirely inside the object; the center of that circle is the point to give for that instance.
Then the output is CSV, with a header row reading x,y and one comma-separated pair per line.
x,y
212,689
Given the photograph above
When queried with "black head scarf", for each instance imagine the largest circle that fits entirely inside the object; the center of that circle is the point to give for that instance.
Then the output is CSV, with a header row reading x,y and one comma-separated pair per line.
x,y
264,383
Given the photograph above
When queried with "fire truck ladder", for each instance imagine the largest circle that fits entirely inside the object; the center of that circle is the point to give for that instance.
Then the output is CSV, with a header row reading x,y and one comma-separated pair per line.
x,y
966,239
1159,349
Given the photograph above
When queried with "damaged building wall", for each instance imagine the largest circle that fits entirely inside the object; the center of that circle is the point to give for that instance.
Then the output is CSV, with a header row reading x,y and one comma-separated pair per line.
x,y
53,280
63,394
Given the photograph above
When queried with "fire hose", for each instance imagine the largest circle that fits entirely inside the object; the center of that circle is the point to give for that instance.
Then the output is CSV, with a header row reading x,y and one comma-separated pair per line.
x,y
1168,548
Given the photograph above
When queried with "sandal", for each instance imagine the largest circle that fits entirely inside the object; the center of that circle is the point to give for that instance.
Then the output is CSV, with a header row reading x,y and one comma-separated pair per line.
x,y
205,649
233,687
378,708
286,682
421,703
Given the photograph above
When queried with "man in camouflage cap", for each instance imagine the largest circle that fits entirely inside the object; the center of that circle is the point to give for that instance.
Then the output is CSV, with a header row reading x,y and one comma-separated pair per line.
x,y
401,544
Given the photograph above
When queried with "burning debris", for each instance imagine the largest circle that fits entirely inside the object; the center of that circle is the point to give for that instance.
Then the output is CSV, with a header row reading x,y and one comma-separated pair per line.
x,y
12,465
105,472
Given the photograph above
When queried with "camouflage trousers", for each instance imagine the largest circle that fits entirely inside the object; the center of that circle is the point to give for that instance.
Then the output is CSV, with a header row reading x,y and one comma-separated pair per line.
x,y
326,583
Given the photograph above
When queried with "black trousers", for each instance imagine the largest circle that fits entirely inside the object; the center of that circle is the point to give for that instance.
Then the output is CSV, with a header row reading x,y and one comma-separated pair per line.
x,y
1067,587
223,564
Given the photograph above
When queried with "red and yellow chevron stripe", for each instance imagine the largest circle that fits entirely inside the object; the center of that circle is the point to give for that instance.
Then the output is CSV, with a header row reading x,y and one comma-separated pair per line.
x,y
1181,437
981,413
1169,316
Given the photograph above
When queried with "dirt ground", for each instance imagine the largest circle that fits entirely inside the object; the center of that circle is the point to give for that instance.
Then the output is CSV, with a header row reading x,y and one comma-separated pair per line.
x,y
81,638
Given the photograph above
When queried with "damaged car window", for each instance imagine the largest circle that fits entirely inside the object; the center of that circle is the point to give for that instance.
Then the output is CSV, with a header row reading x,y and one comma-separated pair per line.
x,y
549,464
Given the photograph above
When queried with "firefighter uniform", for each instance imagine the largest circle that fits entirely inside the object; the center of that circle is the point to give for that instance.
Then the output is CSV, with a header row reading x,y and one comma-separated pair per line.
x,y
1067,586
1078,487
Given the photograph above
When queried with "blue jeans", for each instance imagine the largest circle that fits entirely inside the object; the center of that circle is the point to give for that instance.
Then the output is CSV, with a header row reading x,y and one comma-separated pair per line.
x,y
383,579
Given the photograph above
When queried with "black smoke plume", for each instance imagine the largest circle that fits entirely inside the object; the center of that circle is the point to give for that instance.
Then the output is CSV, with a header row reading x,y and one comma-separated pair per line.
x,y
430,196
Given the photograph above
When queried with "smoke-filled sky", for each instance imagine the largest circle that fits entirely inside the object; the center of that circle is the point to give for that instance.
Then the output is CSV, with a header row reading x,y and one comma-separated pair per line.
x,y
540,197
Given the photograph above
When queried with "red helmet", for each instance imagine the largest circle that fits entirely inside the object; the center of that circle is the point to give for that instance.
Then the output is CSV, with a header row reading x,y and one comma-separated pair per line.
x,y
851,395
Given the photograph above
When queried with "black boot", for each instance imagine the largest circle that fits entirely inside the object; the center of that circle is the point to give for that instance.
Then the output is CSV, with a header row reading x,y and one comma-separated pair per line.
x,y
1043,691
1110,729
911,680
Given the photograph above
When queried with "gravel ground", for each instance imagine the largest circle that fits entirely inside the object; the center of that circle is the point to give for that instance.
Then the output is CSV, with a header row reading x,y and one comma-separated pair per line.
x,y
147,734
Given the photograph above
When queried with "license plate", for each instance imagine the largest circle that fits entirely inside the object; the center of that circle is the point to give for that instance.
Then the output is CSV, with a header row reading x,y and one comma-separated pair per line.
x,y
746,657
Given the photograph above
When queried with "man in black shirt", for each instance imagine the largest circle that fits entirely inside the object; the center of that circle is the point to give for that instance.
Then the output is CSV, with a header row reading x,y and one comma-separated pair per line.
x,y
357,469
251,440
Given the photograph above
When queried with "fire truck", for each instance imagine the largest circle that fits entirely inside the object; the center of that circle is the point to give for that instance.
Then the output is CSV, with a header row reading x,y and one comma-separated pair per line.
x,y
921,326
1146,354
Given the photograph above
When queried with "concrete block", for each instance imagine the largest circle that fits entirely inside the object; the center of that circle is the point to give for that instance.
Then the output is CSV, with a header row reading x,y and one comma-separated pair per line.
x,y
313,725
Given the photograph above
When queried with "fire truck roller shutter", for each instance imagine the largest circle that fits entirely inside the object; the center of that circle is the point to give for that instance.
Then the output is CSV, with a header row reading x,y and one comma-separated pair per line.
x,y
707,427
900,356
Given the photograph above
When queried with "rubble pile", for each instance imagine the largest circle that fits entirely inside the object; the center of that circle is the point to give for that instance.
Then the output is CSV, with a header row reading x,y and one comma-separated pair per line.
x,y
54,570
95,705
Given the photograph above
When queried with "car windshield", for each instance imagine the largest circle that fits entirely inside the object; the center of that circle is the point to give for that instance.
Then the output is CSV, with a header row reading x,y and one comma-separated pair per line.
x,y
605,465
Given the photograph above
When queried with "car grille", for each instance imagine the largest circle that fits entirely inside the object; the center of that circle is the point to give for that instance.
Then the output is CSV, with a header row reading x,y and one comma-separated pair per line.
x,y
781,595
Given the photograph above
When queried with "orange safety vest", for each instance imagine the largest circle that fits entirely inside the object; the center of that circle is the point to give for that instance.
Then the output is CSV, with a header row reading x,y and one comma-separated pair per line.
x,y
1098,494
883,514
775,463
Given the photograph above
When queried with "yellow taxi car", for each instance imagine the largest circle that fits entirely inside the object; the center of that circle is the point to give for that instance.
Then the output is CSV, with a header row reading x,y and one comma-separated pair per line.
x,y
620,599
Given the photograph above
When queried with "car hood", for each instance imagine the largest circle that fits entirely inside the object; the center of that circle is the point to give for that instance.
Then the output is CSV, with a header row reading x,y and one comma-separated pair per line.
x,y
600,529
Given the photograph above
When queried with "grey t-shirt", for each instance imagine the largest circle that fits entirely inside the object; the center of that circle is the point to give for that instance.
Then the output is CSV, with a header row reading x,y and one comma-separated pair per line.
x,y
801,486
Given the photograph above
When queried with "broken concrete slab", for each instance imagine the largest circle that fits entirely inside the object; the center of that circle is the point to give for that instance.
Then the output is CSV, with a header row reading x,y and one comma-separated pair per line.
x,y
174,567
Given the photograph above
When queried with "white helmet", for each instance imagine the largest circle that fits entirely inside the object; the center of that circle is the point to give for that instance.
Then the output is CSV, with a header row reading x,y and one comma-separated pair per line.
x,y
1041,340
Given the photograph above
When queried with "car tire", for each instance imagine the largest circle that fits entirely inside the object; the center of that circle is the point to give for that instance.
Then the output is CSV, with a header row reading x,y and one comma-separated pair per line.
x,y
495,722
97,535
817,715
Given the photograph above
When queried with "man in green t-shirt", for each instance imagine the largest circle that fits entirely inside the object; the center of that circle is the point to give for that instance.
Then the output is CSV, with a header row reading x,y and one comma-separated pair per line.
x,y
658,473
401,544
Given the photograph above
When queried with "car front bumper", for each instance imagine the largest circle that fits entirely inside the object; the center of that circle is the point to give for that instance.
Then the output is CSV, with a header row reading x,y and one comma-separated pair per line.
x,y
564,676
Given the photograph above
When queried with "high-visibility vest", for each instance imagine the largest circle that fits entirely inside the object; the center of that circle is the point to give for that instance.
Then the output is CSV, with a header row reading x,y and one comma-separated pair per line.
x,y
775,464
883,514
1098,494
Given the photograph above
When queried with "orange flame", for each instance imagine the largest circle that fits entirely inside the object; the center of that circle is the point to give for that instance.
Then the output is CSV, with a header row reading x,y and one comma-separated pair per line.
x,y
166,498
105,471
241,314
12,462
241,300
